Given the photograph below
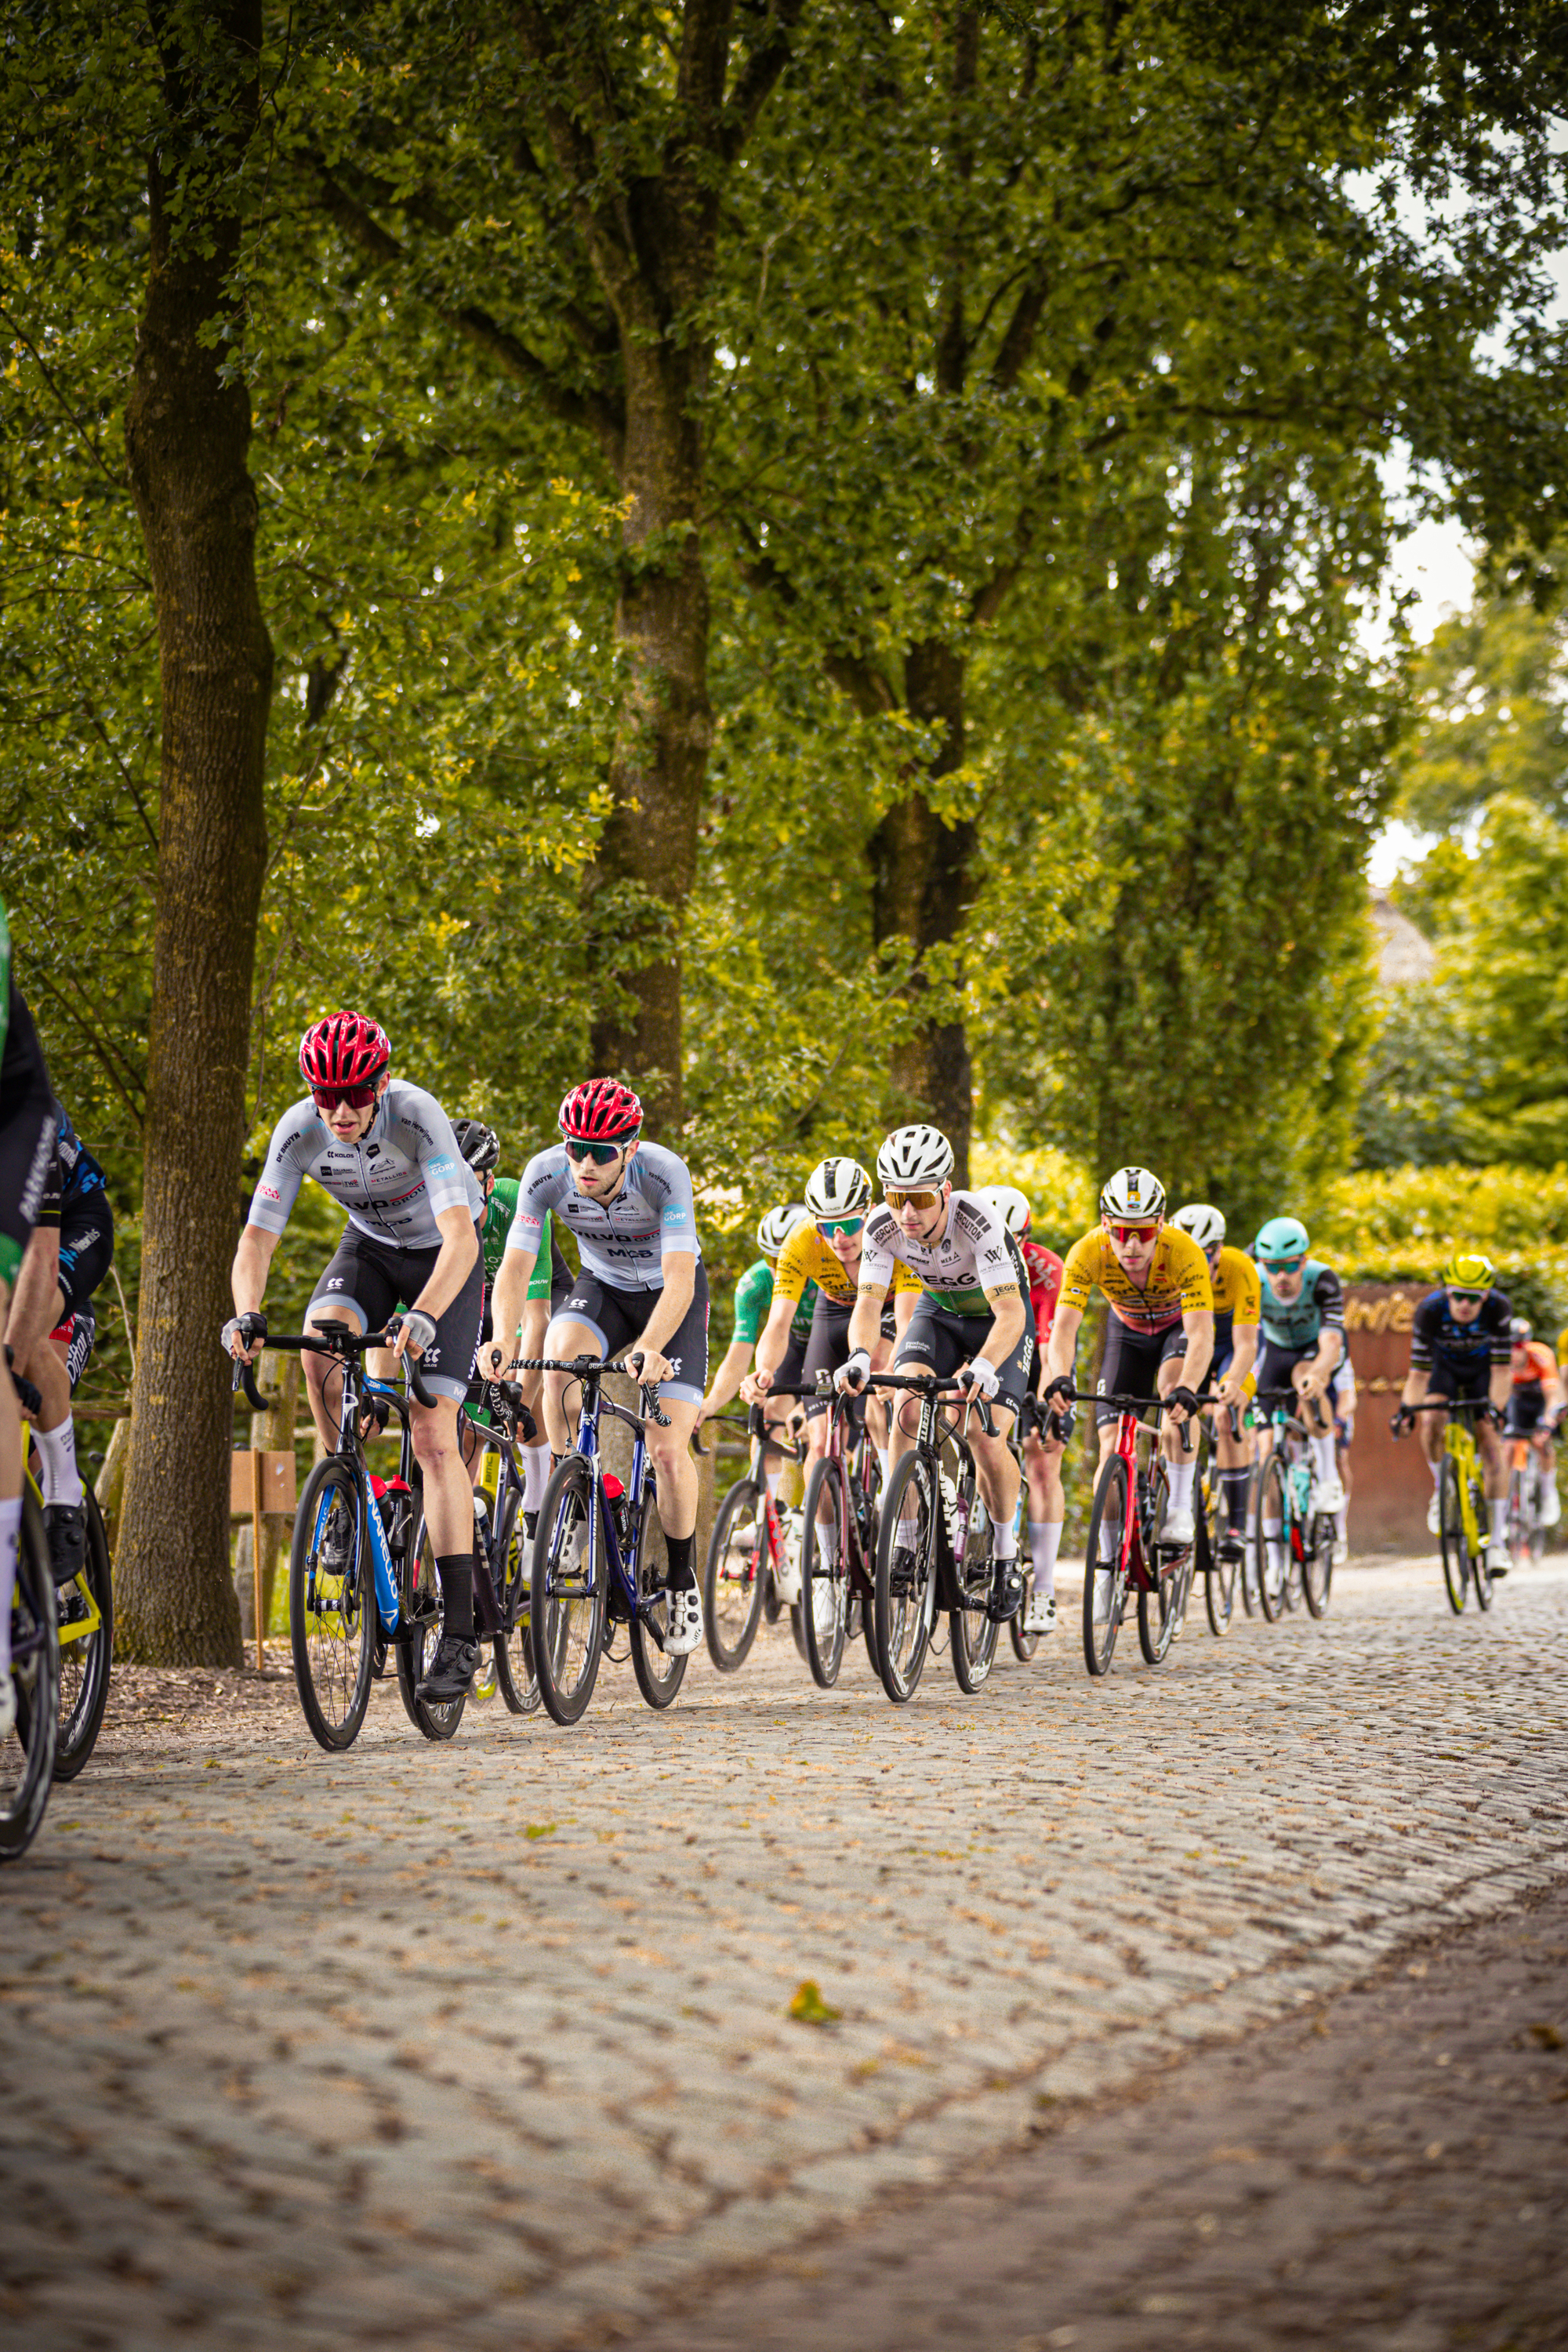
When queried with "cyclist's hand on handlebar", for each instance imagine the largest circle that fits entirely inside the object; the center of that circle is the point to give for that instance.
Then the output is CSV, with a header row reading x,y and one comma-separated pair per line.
x,y
978,1378
493,1361
1182,1401
649,1369
757,1383
854,1374
410,1333
244,1336
1402,1421
1062,1386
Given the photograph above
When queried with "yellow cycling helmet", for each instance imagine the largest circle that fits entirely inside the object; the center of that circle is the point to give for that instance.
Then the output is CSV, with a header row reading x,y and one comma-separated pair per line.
x,y
1469,1270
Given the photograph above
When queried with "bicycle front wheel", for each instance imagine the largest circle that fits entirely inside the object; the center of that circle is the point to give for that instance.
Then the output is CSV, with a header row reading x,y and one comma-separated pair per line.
x,y
824,1573
568,1611
514,1649
1451,1534
1104,1576
736,1579
659,1672
86,1609
906,1571
1271,1509
437,1718
1482,1559
332,1603
1318,1562
973,1634
28,1762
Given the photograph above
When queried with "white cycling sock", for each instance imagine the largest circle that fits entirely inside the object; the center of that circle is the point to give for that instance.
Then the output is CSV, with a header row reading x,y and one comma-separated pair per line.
x,y
1323,1456
1004,1538
1499,1505
827,1539
1274,1537
1181,1475
885,1462
1436,1470
535,1475
1045,1542
10,1531
908,1532
773,1477
56,1456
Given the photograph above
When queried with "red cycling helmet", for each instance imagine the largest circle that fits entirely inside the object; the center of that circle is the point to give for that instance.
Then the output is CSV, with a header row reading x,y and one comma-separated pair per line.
x,y
344,1050
601,1111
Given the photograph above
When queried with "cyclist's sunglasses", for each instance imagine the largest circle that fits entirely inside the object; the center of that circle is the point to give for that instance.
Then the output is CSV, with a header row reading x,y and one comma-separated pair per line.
x,y
356,1097
1125,1233
1283,1265
923,1198
601,1154
828,1226
1455,1292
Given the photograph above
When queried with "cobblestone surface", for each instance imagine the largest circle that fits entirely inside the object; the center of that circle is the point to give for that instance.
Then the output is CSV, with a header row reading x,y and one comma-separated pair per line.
x,y
491,2043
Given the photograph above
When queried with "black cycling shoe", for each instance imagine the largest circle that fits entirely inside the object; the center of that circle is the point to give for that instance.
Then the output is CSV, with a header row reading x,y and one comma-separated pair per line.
x,y
67,1526
1006,1596
1232,1547
455,1664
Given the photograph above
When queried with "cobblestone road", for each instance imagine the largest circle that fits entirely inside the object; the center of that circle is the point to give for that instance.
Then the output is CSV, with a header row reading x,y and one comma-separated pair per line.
x,y
492,2043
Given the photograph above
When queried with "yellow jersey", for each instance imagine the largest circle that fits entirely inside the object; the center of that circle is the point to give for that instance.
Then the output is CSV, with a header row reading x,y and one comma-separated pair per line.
x,y
806,1258
1177,1281
1236,1289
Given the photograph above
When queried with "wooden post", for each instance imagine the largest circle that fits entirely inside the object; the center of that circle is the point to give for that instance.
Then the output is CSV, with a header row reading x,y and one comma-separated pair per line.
x,y
257,1459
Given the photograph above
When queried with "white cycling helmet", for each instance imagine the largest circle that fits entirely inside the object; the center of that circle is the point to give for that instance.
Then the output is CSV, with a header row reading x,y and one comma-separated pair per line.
x,y
912,1157
838,1188
1133,1195
777,1226
1204,1221
1012,1207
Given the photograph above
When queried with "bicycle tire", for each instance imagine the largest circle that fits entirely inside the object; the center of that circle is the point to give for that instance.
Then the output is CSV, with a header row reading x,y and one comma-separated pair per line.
x,y
1273,1578
729,1630
332,1647
1024,1644
824,1584
435,1719
35,1668
972,1637
1451,1534
1112,1495
1318,1563
514,1650
568,1621
903,1615
659,1673
1481,1559
82,1719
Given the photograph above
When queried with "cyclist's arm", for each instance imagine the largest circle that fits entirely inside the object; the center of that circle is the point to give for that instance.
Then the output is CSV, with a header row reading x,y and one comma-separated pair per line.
x,y
731,1371
679,1289
460,1248
1244,1355
38,1289
509,1296
866,1317
773,1341
1063,1347
1198,1322
1417,1380
1322,1362
252,1262
1009,1316
1501,1388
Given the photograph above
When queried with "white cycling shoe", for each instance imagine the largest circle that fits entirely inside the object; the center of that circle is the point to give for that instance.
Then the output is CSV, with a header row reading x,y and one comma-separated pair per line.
x,y
1433,1524
8,1705
1331,1496
1041,1616
684,1630
1177,1526
1104,1578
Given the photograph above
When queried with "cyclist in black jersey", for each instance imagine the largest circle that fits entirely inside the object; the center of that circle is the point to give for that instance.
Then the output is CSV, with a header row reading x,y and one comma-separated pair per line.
x,y
27,1144
1460,1348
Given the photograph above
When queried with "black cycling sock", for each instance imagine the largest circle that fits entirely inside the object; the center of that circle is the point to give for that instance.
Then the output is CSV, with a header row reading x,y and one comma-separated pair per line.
x,y
455,1571
681,1580
1236,1484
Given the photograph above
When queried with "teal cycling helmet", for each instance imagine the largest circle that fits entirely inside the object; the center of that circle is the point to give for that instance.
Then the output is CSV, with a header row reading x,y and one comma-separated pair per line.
x,y
1281,1237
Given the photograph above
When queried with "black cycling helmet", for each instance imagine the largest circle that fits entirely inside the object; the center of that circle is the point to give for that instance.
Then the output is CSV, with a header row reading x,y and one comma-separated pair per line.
x,y
480,1144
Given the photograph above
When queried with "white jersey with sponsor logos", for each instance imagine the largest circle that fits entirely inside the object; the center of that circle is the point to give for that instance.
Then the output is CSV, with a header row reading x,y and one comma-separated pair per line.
x,y
393,1183
624,1241
972,1253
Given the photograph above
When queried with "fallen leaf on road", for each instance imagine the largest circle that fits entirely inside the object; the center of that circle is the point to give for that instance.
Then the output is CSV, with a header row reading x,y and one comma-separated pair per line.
x,y
808,2008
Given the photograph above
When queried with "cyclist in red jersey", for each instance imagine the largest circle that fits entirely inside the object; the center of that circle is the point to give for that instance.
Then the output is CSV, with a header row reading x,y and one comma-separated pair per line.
x,y
1042,1455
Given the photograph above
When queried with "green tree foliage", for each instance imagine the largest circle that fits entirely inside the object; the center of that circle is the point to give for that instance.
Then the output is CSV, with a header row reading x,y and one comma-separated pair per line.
x,y
1490,690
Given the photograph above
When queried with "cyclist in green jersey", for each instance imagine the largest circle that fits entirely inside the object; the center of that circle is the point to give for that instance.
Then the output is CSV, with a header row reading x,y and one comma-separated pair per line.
x,y
754,1302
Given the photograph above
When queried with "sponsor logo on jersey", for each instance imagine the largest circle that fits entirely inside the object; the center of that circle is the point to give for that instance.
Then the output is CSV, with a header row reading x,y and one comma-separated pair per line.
x,y
971,1219
268,1193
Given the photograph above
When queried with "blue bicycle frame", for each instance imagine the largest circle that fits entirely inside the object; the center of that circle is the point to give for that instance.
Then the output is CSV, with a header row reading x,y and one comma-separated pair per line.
x,y
623,1580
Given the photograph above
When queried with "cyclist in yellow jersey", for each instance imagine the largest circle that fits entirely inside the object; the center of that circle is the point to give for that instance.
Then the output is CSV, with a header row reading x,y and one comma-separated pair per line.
x,y
1237,1312
1155,1280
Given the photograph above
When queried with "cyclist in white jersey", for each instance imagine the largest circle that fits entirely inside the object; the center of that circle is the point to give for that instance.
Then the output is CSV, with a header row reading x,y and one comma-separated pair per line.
x,y
386,1152
643,1287
972,1323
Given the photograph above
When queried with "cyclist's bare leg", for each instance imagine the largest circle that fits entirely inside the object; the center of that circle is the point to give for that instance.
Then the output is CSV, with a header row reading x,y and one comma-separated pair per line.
x,y
448,1496
562,1391
1048,1506
324,1378
669,1451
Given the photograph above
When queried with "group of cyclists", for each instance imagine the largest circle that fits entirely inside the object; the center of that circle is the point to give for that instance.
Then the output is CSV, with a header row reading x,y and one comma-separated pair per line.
x,y
463,1271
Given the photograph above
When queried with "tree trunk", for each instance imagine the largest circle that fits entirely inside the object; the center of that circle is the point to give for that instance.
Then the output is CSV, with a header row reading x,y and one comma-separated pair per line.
x,y
661,754
186,437
921,892
270,1432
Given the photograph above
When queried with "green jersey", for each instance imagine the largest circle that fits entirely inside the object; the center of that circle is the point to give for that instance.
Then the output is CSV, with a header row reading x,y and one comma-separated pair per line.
x,y
500,1210
753,1303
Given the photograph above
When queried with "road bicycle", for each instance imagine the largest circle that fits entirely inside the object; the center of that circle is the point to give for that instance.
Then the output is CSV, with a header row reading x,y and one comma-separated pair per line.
x,y
1293,1540
84,1615
748,1553
361,1569
1218,1555
1464,1520
1126,1552
838,1578
934,1550
595,1554
28,1758
501,1545
1529,1479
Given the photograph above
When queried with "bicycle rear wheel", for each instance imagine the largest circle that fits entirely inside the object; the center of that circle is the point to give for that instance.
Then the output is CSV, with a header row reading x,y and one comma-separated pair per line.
x,y
734,1581
823,1580
27,1760
1272,1503
332,1603
1318,1562
1481,1559
658,1672
86,1611
514,1650
906,1572
973,1634
1104,1576
568,1613
437,1719
1451,1534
